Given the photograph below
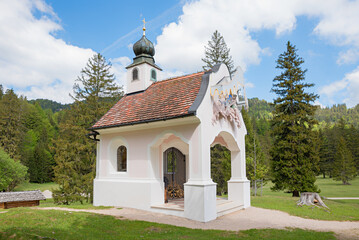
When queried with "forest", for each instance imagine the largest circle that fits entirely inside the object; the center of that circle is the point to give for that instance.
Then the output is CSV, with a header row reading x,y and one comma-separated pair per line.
x,y
30,129
44,141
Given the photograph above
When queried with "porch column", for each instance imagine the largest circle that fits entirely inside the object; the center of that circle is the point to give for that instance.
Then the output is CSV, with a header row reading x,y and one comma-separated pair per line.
x,y
200,190
238,185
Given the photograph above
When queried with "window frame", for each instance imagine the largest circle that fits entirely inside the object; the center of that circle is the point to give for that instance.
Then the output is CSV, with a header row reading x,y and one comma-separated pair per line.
x,y
121,164
137,74
153,71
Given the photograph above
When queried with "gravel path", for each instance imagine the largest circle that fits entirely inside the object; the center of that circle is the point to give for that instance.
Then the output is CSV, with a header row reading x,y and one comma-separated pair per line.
x,y
241,220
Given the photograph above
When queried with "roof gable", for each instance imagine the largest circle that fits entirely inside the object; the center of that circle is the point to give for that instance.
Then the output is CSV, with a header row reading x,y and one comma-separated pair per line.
x,y
162,100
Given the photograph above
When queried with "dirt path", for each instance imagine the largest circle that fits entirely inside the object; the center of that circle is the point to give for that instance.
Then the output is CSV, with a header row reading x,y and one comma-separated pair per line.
x,y
241,220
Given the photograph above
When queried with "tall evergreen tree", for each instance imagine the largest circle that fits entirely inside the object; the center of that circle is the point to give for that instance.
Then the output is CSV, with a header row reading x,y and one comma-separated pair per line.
x,y
344,166
217,52
294,157
11,123
97,87
95,91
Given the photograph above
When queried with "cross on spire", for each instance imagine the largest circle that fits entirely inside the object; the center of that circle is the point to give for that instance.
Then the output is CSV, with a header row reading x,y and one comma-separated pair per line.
x,y
144,26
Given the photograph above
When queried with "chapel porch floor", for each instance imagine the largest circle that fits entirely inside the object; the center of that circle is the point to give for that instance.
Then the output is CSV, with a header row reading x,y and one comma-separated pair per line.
x,y
223,206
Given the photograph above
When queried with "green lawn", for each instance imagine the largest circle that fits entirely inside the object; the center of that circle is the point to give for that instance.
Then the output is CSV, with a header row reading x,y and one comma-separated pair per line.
x,y
25,223
331,188
26,186
340,210
76,205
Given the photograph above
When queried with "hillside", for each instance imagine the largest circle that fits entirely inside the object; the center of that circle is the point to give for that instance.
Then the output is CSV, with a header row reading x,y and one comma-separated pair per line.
x,y
49,104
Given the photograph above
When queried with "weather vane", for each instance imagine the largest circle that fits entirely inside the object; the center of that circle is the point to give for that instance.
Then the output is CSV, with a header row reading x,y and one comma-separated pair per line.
x,y
144,26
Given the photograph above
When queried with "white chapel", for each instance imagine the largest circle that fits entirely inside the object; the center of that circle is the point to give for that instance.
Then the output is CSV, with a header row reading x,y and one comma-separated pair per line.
x,y
154,144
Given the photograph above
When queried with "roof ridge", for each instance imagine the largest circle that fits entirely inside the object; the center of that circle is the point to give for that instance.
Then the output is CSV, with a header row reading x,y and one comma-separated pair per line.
x,y
180,77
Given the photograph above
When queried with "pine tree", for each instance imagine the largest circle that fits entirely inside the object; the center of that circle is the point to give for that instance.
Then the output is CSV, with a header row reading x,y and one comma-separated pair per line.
x,y
294,157
95,91
217,52
344,165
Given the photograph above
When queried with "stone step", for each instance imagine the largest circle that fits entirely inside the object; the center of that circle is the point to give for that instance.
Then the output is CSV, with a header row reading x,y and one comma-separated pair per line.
x,y
227,207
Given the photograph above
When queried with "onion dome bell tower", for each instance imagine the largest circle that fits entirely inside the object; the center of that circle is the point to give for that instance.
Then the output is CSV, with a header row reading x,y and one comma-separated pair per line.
x,y
143,71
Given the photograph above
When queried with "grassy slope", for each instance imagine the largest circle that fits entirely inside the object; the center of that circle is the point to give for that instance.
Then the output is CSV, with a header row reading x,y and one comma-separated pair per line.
x,y
25,223
340,210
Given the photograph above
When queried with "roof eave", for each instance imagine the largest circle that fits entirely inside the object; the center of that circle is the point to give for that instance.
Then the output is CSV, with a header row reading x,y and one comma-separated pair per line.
x,y
142,121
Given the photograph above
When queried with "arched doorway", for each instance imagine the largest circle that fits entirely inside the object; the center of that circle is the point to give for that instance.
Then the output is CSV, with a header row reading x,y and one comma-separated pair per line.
x,y
174,173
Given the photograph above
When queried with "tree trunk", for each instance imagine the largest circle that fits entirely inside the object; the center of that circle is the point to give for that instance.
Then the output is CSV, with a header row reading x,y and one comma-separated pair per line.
x,y
309,198
295,193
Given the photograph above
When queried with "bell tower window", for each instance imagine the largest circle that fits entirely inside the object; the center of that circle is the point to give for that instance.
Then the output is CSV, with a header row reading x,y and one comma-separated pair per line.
x,y
135,74
153,75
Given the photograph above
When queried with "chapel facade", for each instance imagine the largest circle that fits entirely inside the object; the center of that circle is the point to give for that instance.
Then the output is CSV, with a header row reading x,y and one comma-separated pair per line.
x,y
154,144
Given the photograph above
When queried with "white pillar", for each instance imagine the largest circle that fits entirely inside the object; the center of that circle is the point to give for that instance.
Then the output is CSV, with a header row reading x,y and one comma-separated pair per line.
x,y
238,185
200,190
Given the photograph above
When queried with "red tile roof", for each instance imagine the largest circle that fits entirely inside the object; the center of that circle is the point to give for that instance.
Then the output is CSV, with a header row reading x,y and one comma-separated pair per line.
x,y
165,99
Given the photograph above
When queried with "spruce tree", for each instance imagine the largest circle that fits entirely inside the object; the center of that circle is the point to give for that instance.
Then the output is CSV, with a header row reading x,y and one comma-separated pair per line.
x,y
294,157
95,91
11,123
96,85
344,165
217,52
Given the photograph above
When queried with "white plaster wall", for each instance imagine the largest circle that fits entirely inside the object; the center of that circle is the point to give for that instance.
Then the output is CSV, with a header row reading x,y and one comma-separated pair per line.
x,y
144,78
142,185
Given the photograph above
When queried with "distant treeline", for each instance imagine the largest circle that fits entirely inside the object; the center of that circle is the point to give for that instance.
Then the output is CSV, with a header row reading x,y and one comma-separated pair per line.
x,y
49,104
260,109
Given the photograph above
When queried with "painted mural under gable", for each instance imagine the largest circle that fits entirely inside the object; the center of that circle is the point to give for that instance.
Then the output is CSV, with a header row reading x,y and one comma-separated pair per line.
x,y
228,98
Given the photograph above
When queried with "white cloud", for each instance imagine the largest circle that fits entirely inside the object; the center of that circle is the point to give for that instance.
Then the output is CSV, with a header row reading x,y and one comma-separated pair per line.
x,y
249,85
119,69
348,86
236,20
32,60
353,88
349,56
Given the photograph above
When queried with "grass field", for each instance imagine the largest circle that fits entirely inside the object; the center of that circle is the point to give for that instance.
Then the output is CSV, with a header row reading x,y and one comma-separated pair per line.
x,y
25,223
341,210
76,205
26,186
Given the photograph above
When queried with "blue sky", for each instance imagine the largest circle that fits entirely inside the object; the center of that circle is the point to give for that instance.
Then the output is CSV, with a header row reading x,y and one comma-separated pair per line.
x,y
45,43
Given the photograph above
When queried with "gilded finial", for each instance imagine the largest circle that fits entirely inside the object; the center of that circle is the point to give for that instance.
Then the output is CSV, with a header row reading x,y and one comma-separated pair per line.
x,y
144,26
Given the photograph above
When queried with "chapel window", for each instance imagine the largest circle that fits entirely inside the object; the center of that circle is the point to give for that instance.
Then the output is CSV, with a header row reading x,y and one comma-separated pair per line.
x,y
135,74
121,159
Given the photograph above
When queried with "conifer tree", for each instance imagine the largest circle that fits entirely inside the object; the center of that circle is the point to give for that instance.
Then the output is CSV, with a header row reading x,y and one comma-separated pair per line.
x,y
11,123
217,52
294,157
344,166
95,91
